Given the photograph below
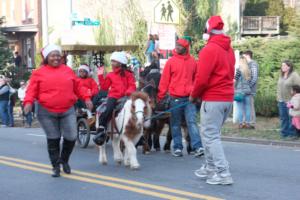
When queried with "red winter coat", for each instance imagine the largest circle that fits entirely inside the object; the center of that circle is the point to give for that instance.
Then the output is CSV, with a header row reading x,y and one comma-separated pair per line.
x,y
55,88
118,86
88,85
178,76
214,80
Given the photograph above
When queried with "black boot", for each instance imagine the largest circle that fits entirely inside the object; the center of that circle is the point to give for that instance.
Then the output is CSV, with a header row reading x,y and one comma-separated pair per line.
x,y
101,136
53,150
65,155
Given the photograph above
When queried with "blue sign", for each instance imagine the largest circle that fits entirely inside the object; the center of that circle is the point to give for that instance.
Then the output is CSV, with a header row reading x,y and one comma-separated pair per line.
x,y
86,22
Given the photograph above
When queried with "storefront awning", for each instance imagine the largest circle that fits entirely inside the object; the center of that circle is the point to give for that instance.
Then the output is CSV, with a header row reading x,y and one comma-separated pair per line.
x,y
25,28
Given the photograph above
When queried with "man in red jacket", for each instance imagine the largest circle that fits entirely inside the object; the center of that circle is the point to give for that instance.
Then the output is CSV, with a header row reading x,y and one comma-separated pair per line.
x,y
214,86
177,79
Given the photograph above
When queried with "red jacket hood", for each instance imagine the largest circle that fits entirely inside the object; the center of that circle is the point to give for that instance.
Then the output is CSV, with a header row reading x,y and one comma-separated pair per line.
x,y
222,40
183,57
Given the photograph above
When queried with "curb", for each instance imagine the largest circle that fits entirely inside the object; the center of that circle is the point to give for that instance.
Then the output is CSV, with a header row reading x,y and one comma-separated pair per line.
x,y
261,142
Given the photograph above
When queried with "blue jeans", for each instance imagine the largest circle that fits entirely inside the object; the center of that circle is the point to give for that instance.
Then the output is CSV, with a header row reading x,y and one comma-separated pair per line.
x,y
11,120
188,111
4,112
244,107
287,129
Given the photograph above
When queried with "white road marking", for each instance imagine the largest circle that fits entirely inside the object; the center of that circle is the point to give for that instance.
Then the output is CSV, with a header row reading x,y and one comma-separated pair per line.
x,y
36,135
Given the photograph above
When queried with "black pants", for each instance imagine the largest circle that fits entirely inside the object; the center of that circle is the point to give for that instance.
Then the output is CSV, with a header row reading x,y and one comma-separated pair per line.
x,y
106,116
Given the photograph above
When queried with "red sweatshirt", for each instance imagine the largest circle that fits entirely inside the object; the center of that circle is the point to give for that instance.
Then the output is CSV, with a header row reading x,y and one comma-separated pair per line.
x,y
88,85
215,74
55,88
178,76
118,86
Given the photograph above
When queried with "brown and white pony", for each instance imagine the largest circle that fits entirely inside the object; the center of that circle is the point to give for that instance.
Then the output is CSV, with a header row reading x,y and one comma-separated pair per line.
x,y
129,127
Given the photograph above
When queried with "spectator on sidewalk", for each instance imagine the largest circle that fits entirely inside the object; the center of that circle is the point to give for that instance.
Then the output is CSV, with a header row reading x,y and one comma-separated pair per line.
x,y
11,104
253,81
177,79
134,66
55,87
4,98
18,60
214,86
294,108
21,96
244,92
150,48
288,77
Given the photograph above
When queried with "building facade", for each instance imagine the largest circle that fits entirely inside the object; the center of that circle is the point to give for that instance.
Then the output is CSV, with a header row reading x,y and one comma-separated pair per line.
x,y
22,27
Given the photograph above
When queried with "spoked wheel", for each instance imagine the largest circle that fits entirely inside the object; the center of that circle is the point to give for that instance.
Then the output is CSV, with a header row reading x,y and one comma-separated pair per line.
x,y
84,134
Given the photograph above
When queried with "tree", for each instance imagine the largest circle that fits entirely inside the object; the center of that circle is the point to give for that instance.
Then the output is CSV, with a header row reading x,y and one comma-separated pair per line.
x,y
6,57
276,8
136,28
195,14
256,7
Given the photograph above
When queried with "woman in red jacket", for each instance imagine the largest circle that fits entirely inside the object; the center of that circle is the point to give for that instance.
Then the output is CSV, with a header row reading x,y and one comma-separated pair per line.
x,y
55,87
89,85
120,83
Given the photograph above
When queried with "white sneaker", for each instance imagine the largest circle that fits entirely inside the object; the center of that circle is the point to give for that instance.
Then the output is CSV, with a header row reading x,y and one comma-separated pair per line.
x,y
204,172
220,179
199,152
177,153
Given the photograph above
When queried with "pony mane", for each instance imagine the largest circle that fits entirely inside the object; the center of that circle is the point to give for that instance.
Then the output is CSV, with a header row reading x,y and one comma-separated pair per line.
x,y
140,95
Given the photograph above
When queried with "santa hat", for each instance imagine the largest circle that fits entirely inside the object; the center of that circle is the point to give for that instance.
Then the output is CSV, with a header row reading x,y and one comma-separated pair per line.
x,y
119,57
214,25
49,48
86,68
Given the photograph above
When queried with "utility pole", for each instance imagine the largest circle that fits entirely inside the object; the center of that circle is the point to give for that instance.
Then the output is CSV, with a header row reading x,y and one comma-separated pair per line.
x,y
45,35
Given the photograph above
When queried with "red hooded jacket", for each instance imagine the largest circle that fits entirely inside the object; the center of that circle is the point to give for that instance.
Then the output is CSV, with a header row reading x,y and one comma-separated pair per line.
x,y
88,85
214,80
118,86
55,88
178,74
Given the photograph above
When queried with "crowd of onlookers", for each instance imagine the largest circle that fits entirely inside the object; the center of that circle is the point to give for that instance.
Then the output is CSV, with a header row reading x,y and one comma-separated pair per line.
x,y
8,99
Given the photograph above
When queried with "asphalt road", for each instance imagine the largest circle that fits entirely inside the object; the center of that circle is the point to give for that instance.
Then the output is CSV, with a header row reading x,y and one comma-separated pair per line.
x,y
259,172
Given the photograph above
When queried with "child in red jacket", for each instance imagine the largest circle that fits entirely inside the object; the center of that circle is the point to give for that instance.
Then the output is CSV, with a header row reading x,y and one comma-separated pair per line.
x,y
86,85
119,83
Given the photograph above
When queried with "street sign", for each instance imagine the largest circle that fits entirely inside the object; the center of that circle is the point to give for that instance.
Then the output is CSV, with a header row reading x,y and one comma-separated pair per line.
x,y
167,12
84,22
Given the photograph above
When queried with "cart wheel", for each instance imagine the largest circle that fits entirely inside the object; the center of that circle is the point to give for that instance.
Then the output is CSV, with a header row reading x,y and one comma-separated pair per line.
x,y
83,130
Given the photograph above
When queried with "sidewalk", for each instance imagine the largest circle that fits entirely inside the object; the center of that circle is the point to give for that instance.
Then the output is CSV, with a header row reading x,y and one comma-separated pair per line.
x,y
262,141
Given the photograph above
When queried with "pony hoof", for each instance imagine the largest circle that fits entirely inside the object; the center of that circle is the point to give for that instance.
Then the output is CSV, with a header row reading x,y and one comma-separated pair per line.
x,y
157,149
104,163
135,167
147,152
119,162
127,164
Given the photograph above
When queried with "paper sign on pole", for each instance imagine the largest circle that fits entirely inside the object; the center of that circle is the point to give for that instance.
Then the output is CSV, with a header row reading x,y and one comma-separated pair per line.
x,y
167,36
